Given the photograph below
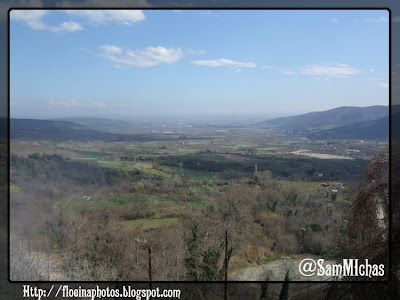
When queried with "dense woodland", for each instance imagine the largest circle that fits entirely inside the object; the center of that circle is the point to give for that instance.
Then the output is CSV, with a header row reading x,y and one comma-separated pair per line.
x,y
266,217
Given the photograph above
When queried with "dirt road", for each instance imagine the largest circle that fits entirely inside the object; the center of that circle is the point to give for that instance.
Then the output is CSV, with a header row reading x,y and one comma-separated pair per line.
x,y
276,271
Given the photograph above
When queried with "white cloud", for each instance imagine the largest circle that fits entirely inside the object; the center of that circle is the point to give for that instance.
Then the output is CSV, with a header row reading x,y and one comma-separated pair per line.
x,y
12,103
396,19
222,62
118,105
150,56
268,67
126,17
66,27
96,104
110,49
383,85
325,70
196,52
331,70
73,103
33,18
286,71
117,66
334,20
208,13
177,11
86,50
377,20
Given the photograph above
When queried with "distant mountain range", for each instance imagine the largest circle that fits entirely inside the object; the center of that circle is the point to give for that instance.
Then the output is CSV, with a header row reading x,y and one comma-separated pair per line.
x,y
342,123
45,124
104,124
376,129
67,130
323,120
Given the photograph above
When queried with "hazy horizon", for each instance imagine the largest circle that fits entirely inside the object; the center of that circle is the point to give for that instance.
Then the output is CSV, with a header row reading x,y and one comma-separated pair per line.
x,y
165,116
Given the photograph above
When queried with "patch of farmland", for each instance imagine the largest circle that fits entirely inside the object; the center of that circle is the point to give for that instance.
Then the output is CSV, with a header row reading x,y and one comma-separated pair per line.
x,y
230,174
195,203
79,204
278,165
303,185
118,165
92,154
234,157
148,224
26,149
131,166
321,155
197,175
23,143
156,172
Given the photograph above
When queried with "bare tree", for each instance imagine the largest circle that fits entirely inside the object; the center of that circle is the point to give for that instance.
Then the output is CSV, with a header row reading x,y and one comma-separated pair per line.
x,y
366,234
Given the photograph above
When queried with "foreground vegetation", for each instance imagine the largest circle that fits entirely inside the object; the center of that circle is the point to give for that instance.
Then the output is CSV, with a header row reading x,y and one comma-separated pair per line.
x,y
98,206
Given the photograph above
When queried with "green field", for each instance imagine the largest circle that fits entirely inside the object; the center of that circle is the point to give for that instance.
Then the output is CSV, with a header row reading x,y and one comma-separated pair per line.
x,y
303,185
197,175
195,203
90,154
79,204
117,165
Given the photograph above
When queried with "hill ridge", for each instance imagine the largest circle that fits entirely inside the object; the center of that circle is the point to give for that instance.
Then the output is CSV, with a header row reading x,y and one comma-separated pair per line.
x,y
328,119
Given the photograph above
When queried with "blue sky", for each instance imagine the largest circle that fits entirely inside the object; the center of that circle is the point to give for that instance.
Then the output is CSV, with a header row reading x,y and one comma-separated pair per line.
x,y
127,62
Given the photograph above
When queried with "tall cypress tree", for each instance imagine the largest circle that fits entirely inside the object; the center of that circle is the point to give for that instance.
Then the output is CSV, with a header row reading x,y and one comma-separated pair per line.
x,y
193,259
284,295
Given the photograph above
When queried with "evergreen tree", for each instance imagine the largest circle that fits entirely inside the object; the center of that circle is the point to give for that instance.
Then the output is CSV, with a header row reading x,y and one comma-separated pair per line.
x,y
284,295
193,259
